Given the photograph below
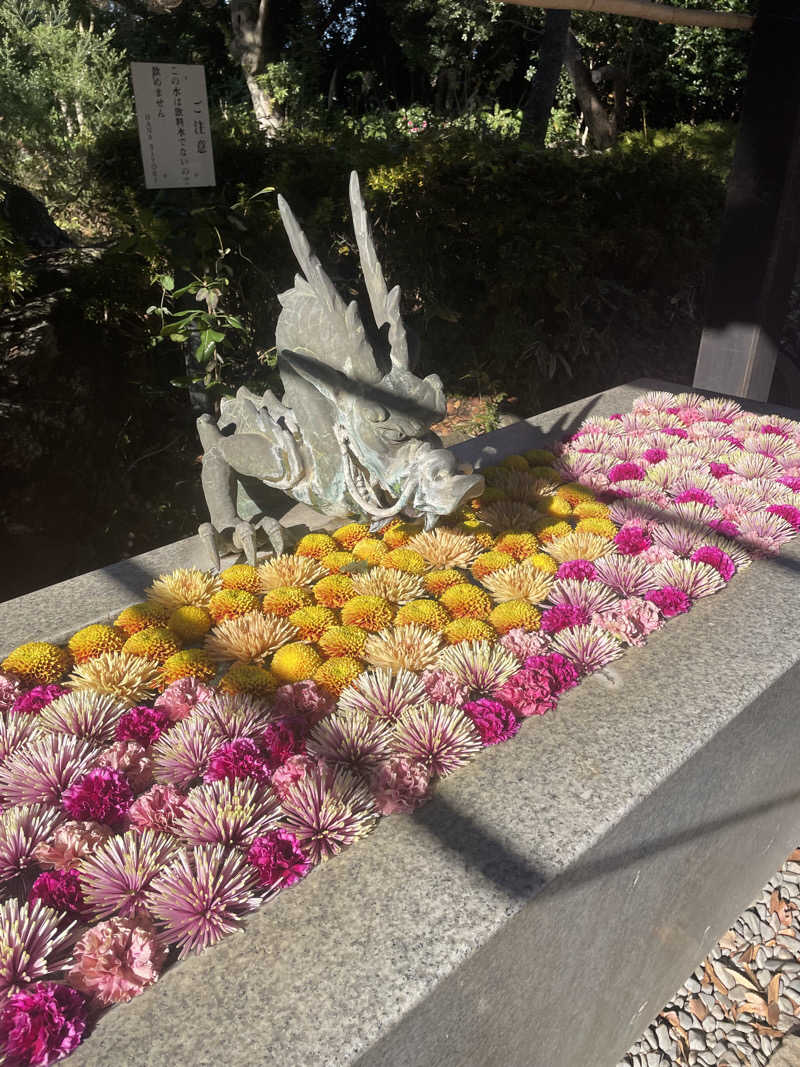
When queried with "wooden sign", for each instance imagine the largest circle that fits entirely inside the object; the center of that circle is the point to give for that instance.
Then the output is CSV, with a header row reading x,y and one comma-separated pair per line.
x,y
174,132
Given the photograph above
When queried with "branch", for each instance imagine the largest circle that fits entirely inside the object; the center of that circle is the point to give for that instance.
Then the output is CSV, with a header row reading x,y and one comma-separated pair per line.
x,y
647,9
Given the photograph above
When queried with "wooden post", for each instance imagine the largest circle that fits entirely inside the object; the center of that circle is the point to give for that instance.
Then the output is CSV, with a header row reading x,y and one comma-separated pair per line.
x,y
760,240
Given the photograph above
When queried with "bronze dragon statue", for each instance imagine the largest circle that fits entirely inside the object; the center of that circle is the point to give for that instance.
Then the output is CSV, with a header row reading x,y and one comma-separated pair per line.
x,y
351,435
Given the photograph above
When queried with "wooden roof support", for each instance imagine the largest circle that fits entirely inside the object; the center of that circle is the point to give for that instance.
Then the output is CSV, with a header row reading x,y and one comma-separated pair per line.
x,y
648,9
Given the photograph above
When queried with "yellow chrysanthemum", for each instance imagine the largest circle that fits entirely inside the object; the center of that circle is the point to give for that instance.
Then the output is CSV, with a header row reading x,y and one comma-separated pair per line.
x,y
547,530
405,559
139,616
285,599
184,586
520,545
491,561
333,562
38,663
190,623
515,463
545,472
343,641
334,591
190,663
515,614
591,509
425,613
397,534
436,582
156,643
295,662
601,527
575,493
542,562
351,534
484,539
557,506
241,576
468,630
312,622
250,679
539,457
315,545
228,603
371,613
370,550
338,672
493,475
491,495
94,640
466,601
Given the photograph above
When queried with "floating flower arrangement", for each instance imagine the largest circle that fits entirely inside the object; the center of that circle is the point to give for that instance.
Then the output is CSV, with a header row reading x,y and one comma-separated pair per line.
x,y
164,775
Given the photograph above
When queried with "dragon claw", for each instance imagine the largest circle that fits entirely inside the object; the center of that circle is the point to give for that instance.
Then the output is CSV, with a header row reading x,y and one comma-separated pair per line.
x,y
244,539
208,536
274,531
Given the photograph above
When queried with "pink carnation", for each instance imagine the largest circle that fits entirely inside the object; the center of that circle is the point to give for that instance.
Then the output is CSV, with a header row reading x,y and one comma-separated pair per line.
x,y
60,890
528,692
71,843
669,600
278,858
290,772
283,738
180,698
655,455
157,809
561,617
11,688
240,758
715,558
630,620
626,472
41,1024
787,512
523,643
657,554
495,722
632,539
143,725
562,672
304,698
117,960
103,795
32,702
444,688
399,785
131,759
579,569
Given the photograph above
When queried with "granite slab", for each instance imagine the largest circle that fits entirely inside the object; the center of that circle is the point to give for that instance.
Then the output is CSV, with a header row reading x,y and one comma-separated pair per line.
x,y
554,893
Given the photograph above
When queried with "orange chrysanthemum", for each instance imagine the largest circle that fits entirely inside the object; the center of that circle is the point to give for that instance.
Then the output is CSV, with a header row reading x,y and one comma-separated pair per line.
x,y
139,616
515,614
405,559
423,612
156,643
94,640
338,672
468,630
38,663
241,576
398,534
436,582
574,493
520,545
343,641
334,591
190,663
466,601
228,603
491,561
591,509
349,535
295,662
285,599
371,613
313,622
190,623
333,562
547,530
370,550
316,545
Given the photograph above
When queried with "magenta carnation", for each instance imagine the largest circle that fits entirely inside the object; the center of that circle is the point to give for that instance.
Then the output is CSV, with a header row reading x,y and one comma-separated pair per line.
x,y
626,472
182,697
675,431
303,698
495,722
399,785
103,795
561,617
562,672
580,569
32,702
143,725
278,858
669,600
725,527
716,558
631,540
237,759
157,809
528,692
791,482
720,470
117,960
699,496
283,738
42,1024
444,687
60,890
655,455
787,512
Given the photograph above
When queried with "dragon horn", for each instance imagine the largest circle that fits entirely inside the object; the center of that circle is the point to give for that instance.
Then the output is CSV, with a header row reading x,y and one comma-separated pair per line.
x,y
385,305
310,265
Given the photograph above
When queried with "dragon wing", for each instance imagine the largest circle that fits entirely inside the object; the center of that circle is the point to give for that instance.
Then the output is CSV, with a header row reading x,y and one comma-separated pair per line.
x,y
385,304
315,320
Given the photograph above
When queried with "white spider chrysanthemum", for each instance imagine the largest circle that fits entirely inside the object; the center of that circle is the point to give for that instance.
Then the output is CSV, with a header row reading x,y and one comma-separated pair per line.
x,y
520,582
128,679
579,544
289,570
443,548
249,638
413,647
397,587
184,588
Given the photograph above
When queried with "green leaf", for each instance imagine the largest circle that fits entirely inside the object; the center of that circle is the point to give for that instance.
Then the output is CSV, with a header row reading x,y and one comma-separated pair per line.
x,y
166,281
261,192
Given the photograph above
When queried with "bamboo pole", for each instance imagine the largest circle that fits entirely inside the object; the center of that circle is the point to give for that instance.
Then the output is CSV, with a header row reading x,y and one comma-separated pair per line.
x,y
648,9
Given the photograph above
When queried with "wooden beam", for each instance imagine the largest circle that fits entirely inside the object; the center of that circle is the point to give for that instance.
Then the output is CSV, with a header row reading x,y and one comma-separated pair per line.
x,y
648,9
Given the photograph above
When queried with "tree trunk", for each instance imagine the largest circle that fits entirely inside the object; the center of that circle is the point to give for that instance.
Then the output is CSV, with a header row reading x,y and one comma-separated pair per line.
x,y
249,47
594,114
539,102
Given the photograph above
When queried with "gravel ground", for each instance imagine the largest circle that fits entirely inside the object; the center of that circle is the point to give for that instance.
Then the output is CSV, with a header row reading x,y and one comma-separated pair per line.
x,y
744,997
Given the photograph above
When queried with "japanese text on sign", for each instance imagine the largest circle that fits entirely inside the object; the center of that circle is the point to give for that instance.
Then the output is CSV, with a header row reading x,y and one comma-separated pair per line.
x,y
174,134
